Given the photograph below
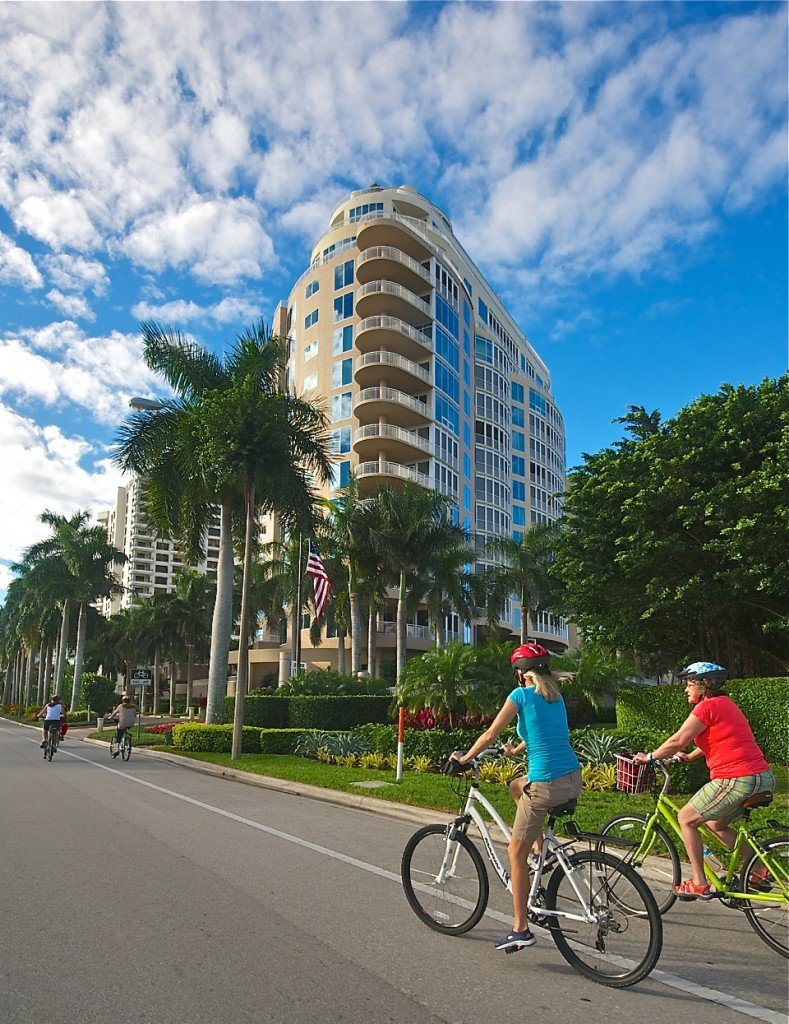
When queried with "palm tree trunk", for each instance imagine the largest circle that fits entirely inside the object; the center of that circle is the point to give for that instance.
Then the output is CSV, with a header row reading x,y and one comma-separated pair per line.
x,y
341,651
9,682
79,656
190,671
401,627
222,622
156,667
43,652
19,665
242,675
29,676
356,627
372,637
62,645
524,619
50,667
174,666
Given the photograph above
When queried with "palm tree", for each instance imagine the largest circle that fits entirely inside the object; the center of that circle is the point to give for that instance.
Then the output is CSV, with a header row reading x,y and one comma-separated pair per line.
x,y
448,585
350,537
195,593
523,567
414,524
236,438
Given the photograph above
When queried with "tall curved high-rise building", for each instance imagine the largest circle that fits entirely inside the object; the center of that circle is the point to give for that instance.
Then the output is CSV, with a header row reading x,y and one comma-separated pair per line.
x,y
426,377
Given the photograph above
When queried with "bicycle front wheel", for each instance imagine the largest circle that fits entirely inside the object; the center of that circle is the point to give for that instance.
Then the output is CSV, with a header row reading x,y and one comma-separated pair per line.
x,y
623,942
126,748
445,880
657,862
770,920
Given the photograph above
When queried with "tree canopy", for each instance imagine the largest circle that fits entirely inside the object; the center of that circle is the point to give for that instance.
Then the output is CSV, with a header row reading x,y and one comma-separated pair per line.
x,y
675,537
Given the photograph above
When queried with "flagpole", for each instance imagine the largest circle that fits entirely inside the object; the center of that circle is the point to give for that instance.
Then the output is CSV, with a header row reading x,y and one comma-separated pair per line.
x,y
297,630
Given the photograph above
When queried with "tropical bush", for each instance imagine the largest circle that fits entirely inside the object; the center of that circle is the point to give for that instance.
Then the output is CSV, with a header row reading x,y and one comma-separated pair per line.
x,y
501,769
456,679
97,692
597,747
598,777
335,744
321,682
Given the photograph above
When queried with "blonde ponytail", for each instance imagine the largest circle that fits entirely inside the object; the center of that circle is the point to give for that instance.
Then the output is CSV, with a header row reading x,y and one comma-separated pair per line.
x,y
545,684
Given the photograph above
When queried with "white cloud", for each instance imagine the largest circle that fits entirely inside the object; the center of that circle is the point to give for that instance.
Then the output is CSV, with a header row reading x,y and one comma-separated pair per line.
x,y
62,364
77,274
59,219
228,310
44,468
17,266
73,306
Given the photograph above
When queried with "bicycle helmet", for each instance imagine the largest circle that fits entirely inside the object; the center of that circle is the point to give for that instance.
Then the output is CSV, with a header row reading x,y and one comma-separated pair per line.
x,y
702,669
530,656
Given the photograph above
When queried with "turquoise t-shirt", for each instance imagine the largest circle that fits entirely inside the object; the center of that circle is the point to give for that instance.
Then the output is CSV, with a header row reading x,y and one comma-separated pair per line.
x,y
542,725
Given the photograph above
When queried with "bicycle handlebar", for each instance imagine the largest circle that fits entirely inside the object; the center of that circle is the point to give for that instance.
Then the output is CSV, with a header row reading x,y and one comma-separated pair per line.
x,y
453,767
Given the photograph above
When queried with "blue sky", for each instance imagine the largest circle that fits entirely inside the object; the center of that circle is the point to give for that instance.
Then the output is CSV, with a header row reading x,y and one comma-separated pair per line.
x,y
617,171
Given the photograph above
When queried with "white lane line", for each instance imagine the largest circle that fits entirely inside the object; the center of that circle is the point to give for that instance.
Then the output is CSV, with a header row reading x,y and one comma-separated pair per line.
x,y
670,980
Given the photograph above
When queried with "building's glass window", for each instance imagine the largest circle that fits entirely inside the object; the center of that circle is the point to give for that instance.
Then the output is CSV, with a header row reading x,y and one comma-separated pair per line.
x,y
466,499
466,403
343,306
343,275
517,392
518,415
340,440
338,247
342,341
518,441
467,435
447,381
467,374
467,466
467,343
365,208
537,401
341,406
447,348
340,475
341,373
518,515
518,490
447,413
311,350
310,381
466,307
516,536
311,288
483,311
446,316
518,466
310,319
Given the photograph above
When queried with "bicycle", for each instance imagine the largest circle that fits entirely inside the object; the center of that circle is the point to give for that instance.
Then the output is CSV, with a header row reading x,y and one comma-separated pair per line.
x,y
51,743
122,746
585,905
762,891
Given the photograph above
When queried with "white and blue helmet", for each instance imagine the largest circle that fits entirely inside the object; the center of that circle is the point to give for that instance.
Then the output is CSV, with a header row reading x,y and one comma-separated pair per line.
x,y
701,669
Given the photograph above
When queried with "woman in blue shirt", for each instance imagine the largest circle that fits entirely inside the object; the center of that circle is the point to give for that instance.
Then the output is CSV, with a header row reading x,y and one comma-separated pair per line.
x,y
554,772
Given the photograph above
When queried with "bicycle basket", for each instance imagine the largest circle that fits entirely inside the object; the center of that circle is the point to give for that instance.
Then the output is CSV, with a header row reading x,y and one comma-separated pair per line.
x,y
632,777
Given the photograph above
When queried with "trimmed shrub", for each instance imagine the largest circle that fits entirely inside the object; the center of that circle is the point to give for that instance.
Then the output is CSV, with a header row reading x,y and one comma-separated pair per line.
x,y
215,739
97,693
279,741
267,711
337,712
664,708
326,682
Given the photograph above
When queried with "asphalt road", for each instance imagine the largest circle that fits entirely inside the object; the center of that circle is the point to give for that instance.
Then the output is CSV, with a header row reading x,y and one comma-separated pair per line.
x,y
149,892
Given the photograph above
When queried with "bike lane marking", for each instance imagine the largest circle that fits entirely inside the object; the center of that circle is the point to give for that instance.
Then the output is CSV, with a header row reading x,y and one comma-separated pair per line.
x,y
665,978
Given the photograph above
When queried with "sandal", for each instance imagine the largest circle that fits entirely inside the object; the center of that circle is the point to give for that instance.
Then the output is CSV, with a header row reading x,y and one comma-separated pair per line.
x,y
689,890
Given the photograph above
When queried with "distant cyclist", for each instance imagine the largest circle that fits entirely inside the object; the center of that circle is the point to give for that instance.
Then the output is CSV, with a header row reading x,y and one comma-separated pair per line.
x,y
554,771
738,768
124,714
52,713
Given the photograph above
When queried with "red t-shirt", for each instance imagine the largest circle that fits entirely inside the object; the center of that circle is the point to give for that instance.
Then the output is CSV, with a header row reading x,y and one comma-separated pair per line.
x,y
727,742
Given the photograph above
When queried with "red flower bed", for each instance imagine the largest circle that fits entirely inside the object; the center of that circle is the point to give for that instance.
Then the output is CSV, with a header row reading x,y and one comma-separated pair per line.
x,y
160,728
429,719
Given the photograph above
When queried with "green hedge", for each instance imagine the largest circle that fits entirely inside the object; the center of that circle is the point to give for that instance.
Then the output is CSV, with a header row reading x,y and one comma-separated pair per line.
x,y
215,739
665,708
279,741
309,712
433,743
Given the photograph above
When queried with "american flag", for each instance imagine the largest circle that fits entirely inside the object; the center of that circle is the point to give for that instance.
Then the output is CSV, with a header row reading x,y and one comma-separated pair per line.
x,y
320,580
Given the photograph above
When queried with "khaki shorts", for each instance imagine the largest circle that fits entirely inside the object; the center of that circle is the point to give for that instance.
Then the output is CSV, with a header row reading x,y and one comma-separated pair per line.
x,y
537,800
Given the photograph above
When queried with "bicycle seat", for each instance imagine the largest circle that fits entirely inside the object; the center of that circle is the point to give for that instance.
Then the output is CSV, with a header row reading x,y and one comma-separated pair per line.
x,y
760,800
561,809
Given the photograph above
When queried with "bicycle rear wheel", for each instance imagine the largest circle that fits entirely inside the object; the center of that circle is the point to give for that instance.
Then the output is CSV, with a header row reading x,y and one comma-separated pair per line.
x,y
770,921
457,903
126,747
53,745
623,944
659,865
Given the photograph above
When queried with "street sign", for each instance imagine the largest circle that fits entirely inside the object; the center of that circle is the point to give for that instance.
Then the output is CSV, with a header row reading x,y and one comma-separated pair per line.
x,y
141,677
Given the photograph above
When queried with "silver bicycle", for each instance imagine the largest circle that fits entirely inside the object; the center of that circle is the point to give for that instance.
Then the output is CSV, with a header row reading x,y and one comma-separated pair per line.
x,y
599,911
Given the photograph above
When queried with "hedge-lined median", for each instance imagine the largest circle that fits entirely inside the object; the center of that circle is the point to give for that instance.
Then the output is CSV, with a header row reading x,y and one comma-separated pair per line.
x,y
309,712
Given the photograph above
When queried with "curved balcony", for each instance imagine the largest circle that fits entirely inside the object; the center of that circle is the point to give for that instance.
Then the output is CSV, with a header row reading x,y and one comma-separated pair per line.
x,y
369,369
395,229
403,410
391,264
386,297
372,475
375,331
370,440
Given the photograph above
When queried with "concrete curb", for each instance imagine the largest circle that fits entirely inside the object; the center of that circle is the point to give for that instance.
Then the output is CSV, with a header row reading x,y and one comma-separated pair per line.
x,y
404,812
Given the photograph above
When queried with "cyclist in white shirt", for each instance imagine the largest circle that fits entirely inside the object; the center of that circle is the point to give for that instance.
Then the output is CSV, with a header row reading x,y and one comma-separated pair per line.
x,y
52,713
124,714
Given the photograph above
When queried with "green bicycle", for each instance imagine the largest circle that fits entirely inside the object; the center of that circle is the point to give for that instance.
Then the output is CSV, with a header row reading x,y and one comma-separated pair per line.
x,y
759,887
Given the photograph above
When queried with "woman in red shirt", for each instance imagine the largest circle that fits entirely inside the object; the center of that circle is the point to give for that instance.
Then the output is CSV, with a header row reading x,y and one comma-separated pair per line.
x,y
738,768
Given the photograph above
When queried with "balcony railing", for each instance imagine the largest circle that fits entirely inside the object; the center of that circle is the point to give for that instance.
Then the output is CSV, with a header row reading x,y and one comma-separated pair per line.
x,y
388,252
417,632
392,395
392,359
390,288
392,323
395,434
380,468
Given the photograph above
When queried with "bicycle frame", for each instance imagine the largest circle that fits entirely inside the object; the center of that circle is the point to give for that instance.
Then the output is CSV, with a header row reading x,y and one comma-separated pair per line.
x,y
549,844
667,811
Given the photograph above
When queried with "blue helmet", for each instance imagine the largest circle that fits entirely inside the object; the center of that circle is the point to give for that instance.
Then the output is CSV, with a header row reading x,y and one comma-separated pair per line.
x,y
700,669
